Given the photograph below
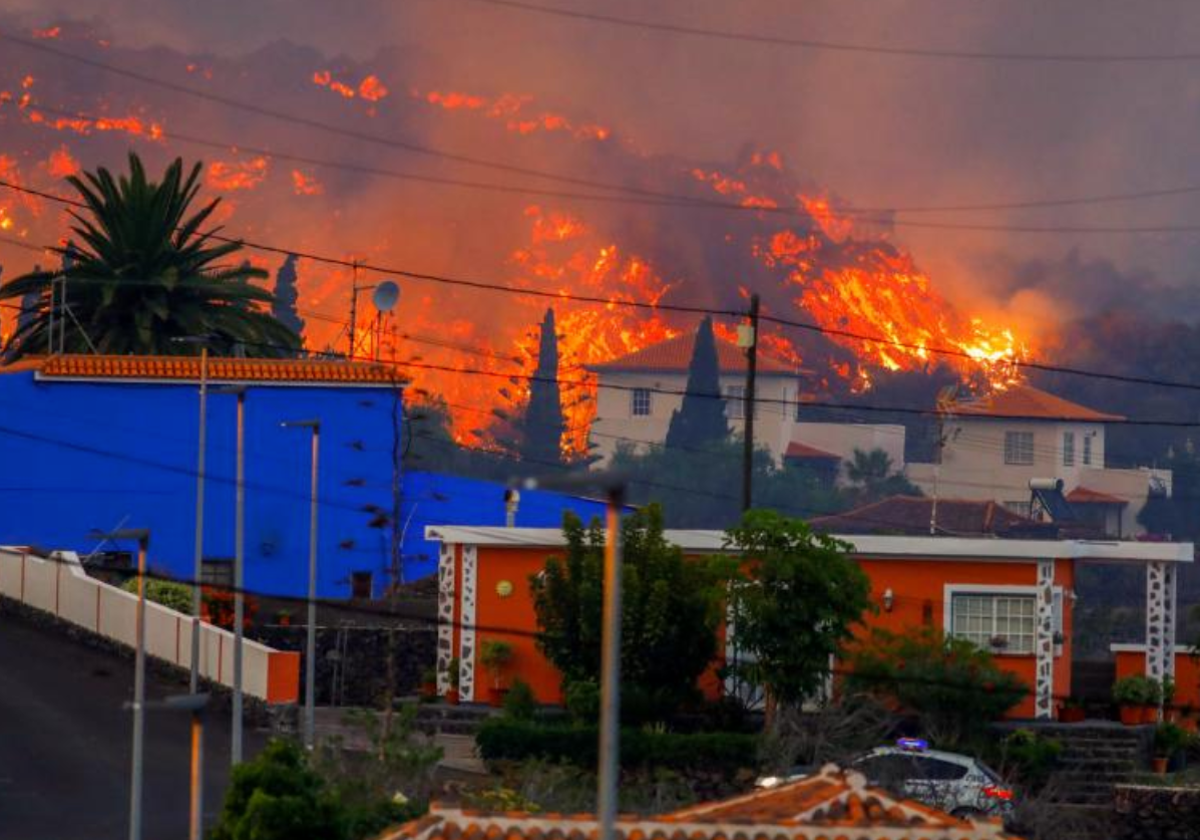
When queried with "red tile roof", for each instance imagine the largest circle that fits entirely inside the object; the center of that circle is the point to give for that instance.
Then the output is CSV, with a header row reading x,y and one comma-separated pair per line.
x,y
1087,496
222,369
675,354
911,515
831,805
802,451
1025,401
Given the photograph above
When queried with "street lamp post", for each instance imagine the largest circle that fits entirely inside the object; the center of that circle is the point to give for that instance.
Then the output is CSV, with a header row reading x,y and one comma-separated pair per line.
x,y
613,484
310,653
198,561
136,773
239,558
239,577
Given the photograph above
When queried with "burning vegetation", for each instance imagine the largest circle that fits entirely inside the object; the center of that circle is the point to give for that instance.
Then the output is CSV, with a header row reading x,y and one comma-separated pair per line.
x,y
813,261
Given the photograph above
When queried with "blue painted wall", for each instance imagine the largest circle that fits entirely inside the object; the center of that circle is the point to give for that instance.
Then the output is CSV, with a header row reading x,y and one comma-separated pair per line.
x,y
82,456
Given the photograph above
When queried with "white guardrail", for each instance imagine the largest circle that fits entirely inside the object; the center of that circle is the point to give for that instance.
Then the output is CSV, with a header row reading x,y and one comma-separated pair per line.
x,y
60,586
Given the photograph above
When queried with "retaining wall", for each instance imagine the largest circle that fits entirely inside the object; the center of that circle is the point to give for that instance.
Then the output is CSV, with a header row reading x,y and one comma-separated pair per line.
x,y
58,585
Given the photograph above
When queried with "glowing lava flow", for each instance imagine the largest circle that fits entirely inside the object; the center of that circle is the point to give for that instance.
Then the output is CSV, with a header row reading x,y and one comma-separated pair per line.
x,y
514,112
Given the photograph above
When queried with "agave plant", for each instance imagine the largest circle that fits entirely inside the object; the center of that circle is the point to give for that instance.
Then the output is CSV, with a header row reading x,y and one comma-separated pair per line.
x,y
143,274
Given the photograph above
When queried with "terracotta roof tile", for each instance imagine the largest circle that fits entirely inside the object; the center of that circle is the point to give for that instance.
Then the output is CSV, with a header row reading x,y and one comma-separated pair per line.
x,y
675,355
828,806
1025,401
1087,496
803,451
911,515
223,369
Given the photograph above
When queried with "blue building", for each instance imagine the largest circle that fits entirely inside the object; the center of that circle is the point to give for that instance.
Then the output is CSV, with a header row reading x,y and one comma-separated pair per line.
x,y
98,443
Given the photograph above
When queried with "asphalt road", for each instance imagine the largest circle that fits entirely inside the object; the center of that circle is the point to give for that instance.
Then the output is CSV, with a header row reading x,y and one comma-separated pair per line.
x,y
65,743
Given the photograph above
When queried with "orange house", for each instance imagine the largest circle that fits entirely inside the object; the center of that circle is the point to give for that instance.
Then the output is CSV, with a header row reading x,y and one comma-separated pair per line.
x,y
1012,596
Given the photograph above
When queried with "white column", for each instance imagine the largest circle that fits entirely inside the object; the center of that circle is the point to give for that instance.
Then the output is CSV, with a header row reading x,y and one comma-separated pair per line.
x,y
1043,692
466,638
446,611
1156,617
1169,586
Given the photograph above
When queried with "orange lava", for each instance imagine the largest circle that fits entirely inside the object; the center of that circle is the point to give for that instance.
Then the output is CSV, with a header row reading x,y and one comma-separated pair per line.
x,y
236,175
512,109
303,184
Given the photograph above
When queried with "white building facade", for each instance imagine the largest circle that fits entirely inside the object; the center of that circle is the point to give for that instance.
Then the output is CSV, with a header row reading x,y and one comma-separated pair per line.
x,y
994,446
638,393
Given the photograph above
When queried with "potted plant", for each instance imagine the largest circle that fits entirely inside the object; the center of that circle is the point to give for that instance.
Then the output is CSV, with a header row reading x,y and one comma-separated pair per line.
x,y
1152,701
1129,693
452,692
1170,713
1072,711
1169,739
496,656
429,683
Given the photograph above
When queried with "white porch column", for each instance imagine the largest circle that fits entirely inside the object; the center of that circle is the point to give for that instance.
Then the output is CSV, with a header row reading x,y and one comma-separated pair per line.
x,y
446,611
466,639
1043,691
1159,607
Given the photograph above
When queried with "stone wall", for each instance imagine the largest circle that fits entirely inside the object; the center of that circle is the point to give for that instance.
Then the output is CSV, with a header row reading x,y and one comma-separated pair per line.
x,y
1157,813
352,660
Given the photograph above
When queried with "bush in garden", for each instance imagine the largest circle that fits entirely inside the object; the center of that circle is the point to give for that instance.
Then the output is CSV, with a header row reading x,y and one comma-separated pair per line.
x,y
954,687
519,702
670,610
169,593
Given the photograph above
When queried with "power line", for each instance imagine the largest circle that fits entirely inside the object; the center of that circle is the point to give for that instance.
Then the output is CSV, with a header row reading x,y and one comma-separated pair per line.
x,y
839,46
877,214
395,614
455,157
637,304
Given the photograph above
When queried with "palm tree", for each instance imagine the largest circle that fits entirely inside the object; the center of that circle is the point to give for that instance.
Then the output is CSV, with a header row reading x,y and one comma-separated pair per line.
x,y
144,274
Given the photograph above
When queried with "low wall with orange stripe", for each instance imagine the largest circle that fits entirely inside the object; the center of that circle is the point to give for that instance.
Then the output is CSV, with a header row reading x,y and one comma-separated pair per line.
x,y
59,585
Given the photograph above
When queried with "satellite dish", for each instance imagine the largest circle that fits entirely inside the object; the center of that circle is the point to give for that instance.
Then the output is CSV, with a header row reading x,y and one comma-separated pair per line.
x,y
385,296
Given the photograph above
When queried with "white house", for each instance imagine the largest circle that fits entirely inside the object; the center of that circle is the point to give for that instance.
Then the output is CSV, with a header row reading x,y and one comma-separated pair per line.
x,y
994,445
649,387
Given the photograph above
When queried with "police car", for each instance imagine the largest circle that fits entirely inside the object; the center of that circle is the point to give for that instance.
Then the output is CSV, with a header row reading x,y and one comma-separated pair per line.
x,y
958,784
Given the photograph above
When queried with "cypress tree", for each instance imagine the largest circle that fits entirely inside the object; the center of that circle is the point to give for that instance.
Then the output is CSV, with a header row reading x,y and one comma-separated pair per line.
x,y
701,420
284,305
543,426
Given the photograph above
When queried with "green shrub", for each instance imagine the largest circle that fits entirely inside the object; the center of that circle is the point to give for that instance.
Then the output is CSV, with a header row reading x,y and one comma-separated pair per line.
x,y
277,796
954,687
1136,691
1029,758
501,739
582,699
1170,738
519,702
169,593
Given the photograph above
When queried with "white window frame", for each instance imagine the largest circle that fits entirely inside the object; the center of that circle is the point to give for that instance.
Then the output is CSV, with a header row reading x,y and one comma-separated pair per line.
x,y
1087,449
634,402
1068,449
735,402
952,589
1011,451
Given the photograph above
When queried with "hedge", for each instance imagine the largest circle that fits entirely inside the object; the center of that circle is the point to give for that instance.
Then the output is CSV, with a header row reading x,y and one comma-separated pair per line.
x,y
724,752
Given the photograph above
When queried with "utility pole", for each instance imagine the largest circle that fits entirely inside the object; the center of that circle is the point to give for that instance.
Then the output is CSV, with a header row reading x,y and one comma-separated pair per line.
x,y
353,312
748,338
